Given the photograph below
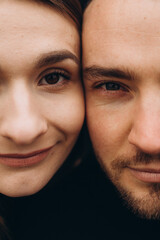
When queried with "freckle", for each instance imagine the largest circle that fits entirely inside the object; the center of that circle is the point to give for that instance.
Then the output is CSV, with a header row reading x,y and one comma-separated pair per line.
x,y
144,18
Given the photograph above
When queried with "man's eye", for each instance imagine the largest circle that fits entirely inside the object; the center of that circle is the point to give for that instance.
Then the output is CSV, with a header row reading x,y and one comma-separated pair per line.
x,y
112,86
52,78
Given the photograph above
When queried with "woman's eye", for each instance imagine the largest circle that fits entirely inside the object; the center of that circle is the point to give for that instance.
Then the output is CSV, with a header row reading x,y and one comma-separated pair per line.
x,y
52,78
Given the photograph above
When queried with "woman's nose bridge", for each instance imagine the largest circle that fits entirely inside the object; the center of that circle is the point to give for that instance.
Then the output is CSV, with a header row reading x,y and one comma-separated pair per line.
x,y
22,106
21,98
22,121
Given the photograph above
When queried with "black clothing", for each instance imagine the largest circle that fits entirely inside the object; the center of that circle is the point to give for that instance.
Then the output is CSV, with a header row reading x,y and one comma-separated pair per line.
x,y
83,205
59,211
112,216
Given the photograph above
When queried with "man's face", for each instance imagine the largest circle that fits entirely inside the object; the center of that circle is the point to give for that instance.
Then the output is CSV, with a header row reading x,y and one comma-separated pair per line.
x,y
121,56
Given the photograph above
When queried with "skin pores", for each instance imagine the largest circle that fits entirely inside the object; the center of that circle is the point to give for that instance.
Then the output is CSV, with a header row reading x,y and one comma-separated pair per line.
x,y
41,98
122,85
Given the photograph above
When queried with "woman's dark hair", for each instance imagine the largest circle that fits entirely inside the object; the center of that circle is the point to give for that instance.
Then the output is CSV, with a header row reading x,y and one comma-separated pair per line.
x,y
4,234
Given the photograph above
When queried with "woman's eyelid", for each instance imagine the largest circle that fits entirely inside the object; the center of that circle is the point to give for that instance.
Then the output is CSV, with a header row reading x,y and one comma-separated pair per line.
x,y
61,73
43,80
52,70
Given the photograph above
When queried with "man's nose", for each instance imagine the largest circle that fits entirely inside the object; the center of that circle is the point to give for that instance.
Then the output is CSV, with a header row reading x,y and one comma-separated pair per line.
x,y
21,121
145,130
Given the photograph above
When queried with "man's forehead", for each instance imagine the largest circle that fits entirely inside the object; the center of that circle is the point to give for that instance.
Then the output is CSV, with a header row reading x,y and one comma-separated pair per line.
x,y
122,32
140,16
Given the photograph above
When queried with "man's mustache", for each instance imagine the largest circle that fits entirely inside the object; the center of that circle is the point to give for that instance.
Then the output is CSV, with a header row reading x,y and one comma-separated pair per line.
x,y
139,158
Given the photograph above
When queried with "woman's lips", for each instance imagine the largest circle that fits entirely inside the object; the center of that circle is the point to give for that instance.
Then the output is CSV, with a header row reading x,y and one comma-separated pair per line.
x,y
146,175
24,160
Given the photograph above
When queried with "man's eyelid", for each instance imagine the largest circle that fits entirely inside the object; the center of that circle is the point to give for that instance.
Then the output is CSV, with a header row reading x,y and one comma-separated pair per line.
x,y
123,87
119,73
103,82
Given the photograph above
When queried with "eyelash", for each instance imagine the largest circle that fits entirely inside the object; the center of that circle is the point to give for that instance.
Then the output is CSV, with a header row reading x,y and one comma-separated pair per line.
x,y
121,86
121,89
58,82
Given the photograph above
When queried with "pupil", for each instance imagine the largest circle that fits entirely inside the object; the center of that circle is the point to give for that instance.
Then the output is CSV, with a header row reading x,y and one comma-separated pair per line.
x,y
112,86
52,78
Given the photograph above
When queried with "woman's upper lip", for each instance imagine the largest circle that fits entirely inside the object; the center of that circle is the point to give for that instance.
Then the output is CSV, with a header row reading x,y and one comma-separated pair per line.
x,y
147,170
24,155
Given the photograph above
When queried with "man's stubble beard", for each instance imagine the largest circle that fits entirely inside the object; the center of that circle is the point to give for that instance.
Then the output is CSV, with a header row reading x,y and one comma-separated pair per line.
x,y
147,207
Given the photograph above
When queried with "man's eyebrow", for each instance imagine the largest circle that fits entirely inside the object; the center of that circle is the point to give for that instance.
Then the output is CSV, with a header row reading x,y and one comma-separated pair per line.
x,y
55,57
119,73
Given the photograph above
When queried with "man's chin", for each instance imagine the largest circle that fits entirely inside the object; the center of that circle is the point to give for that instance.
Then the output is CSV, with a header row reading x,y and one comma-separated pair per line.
x,y
147,206
143,199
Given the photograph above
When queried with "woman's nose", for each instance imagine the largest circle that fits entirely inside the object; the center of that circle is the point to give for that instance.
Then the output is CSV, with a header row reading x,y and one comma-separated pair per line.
x,y
21,121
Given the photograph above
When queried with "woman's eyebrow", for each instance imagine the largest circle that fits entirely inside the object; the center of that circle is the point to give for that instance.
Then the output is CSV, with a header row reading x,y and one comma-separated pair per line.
x,y
55,57
119,73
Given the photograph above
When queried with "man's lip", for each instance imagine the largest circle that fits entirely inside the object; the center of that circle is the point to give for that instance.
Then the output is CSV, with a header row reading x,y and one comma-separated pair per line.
x,y
149,170
149,175
24,160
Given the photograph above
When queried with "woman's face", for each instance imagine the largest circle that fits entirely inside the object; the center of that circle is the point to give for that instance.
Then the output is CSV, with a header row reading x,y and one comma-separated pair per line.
x,y
41,98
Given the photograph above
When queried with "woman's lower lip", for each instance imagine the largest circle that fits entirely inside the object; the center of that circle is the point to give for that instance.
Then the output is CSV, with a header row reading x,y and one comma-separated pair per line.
x,y
146,176
24,162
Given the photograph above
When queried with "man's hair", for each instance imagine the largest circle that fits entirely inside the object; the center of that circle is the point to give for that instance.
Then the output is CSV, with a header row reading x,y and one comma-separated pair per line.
x,y
85,4
71,8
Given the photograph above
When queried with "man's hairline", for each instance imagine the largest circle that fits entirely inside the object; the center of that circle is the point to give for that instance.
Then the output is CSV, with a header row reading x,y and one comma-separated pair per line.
x,y
87,4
